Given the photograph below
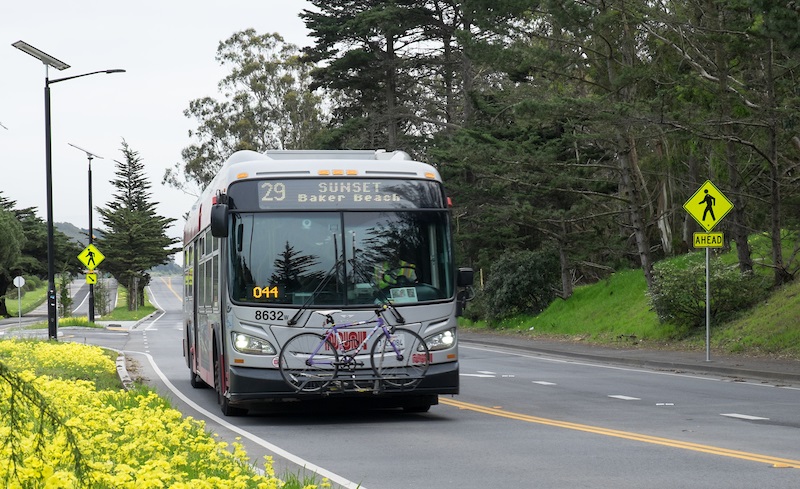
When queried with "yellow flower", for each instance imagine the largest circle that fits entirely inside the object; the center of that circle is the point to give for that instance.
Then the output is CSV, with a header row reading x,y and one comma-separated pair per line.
x,y
126,439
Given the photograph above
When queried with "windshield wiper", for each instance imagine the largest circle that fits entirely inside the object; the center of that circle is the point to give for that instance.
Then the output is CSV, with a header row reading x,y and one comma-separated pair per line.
x,y
335,268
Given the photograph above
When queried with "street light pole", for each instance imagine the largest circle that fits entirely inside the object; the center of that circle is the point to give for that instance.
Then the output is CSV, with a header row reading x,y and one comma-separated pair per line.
x,y
90,156
52,313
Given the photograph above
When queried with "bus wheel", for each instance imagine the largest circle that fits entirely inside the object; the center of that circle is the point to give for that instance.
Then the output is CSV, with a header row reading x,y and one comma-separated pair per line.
x,y
419,404
222,400
195,379
416,407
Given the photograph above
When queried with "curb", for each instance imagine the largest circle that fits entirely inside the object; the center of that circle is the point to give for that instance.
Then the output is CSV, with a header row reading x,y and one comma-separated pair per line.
x,y
122,371
122,368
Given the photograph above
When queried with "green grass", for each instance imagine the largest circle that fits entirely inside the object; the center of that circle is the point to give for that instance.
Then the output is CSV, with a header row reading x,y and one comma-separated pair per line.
x,y
769,328
30,300
121,312
616,312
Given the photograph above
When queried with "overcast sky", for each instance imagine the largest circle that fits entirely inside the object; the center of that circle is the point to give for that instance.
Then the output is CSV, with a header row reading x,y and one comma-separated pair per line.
x,y
167,48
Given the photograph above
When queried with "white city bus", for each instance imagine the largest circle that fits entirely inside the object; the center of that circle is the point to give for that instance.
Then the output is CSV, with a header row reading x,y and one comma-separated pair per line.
x,y
279,235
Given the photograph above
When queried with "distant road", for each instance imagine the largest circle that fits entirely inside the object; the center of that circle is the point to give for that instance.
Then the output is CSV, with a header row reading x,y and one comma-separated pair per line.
x,y
79,291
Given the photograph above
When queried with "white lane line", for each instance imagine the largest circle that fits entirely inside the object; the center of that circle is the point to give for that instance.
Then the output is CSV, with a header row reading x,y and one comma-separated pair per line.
x,y
624,398
544,382
543,358
487,372
250,436
744,416
482,376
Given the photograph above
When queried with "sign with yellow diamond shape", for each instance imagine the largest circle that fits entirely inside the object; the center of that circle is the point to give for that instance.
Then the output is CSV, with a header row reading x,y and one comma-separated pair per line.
x,y
708,206
91,257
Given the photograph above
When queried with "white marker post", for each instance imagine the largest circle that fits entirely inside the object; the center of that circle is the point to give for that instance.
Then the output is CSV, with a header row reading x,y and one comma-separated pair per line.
x,y
19,281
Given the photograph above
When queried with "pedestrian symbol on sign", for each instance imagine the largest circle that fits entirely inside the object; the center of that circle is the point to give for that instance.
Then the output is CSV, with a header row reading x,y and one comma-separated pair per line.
x,y
709,202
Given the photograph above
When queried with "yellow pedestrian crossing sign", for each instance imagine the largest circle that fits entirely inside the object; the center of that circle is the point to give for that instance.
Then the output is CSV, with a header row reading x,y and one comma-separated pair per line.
x,y
708,206
91,257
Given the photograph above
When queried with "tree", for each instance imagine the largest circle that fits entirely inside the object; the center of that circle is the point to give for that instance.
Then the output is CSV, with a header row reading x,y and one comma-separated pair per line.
x,y
267,105
366,47
10,249
135,239
30,232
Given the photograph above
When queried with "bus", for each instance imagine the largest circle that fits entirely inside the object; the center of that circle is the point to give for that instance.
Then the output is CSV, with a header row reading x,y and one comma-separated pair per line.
x,y
279,235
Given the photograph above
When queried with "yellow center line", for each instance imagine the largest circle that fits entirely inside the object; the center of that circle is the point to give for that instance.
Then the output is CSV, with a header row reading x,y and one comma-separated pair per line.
x,y
754,457
169,286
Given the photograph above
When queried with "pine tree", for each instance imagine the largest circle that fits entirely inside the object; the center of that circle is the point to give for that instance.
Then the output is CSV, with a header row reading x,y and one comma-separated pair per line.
x,y
135,238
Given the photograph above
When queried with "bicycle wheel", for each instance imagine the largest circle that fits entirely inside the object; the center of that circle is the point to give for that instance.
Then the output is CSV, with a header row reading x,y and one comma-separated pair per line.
x,y
304,370
400,360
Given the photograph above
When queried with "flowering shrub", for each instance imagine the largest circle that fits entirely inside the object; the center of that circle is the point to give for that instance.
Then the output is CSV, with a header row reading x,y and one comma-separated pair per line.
x,y
66,433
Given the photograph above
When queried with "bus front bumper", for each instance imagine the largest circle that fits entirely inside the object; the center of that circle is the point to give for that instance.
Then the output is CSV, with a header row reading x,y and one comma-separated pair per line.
x,y
248,385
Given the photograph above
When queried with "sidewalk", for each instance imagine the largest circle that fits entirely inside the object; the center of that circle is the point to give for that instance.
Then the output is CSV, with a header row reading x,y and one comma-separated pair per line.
x,y
764,368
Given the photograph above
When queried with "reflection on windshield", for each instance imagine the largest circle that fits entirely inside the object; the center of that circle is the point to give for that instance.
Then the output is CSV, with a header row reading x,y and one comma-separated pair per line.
x,y
332,258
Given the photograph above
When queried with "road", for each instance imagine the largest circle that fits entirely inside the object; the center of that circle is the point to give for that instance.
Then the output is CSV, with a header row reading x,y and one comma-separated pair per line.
x,y
522,420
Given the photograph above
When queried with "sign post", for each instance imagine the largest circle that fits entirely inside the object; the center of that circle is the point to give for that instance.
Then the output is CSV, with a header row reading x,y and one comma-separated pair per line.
x,y
19,281
708,202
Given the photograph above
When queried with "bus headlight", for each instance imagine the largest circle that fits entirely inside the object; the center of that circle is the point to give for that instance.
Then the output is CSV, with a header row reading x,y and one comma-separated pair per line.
x,y
244,343
441,341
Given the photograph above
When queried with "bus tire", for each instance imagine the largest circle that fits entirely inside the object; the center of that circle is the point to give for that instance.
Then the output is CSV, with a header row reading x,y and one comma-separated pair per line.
x,y
222,399
416,408
194,379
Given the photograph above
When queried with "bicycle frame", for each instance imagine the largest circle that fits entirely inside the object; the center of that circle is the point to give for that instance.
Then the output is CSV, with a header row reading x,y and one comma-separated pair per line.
x,y
334,332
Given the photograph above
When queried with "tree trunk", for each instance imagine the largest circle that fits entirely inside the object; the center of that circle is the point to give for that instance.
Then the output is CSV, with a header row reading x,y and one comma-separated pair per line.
x,y
632,194
737,225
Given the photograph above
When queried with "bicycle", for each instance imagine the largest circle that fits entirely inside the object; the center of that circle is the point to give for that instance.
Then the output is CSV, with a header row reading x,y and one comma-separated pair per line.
x,y
310,362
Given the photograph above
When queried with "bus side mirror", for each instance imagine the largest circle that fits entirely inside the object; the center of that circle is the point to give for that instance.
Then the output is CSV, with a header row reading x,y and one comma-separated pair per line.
x,y
219,220
465,277
464,281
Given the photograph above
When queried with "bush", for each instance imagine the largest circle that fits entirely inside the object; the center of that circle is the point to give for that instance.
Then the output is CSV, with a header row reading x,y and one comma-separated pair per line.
x,y
678,295
521,283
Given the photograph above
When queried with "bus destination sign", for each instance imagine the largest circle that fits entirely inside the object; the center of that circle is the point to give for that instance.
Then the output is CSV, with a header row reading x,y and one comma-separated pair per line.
x,y
348,193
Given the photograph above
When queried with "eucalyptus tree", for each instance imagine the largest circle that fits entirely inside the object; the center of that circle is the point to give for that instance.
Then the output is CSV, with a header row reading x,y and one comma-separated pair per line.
x,y
742,64
266,104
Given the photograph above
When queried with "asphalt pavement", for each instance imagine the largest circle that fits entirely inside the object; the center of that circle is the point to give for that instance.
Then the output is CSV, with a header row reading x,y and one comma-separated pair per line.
x,y
737,366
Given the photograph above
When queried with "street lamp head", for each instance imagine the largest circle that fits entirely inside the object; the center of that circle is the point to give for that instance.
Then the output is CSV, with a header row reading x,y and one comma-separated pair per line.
x,y
88,153
40,55
115,71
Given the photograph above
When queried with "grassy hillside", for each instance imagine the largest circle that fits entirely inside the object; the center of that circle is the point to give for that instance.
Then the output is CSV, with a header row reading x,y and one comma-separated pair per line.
x,y
616,311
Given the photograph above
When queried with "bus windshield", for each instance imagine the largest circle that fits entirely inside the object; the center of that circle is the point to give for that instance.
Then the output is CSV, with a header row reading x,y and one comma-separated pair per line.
x,y
353,258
